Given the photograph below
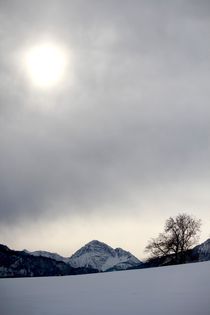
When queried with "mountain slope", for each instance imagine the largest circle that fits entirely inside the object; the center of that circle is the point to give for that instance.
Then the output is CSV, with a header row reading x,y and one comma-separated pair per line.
x,y
102,257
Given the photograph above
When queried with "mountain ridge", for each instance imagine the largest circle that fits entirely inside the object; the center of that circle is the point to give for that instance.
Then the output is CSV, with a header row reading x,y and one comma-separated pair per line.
x,y
94,256
43,253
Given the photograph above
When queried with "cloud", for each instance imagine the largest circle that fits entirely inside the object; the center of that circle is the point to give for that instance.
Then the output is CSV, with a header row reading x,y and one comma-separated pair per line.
x,y
135,117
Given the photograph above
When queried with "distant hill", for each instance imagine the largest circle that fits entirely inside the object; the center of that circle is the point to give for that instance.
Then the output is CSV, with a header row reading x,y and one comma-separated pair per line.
x,y
199,253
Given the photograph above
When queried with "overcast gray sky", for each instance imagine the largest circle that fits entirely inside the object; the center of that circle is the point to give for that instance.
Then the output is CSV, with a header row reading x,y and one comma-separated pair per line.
x,y
123,142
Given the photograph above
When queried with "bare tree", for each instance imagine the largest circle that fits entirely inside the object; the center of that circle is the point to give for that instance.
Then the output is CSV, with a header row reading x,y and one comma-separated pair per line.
x,y
180,234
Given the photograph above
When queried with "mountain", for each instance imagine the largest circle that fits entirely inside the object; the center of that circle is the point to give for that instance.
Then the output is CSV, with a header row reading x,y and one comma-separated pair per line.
x,y
22,264
100,256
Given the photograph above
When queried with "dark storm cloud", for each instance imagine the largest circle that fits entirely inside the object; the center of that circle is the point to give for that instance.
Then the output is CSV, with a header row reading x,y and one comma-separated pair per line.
x,y
137,114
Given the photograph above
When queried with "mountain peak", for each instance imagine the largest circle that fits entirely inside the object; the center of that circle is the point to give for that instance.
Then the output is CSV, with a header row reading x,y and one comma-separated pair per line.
x,y
102,257
97,246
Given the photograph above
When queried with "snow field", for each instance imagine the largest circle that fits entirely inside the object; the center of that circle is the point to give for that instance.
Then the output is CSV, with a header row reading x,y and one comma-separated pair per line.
x,y
174,290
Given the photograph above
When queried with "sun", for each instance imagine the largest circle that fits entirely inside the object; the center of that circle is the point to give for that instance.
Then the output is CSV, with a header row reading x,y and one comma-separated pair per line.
x,y
45,65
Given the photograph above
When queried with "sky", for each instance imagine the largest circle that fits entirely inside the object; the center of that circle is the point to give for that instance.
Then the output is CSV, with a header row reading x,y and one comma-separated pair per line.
x,y
122,141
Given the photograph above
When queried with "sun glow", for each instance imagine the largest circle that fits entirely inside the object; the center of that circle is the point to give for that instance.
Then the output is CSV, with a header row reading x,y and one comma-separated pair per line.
x,y
46,65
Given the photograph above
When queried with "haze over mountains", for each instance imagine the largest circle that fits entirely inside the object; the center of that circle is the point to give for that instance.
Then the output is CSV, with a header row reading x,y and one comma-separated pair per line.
x,y
94,257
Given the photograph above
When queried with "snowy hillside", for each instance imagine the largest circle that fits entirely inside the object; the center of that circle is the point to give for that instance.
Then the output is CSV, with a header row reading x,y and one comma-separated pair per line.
x,y
174,290
203,251
43,253
102,257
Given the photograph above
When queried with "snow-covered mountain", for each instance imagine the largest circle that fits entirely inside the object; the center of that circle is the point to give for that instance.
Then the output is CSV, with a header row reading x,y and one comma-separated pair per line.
x,y
46,254
102,257
96,255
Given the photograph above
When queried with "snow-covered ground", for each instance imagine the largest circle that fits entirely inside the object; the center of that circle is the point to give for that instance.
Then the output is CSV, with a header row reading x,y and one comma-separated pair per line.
x,y
175,290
